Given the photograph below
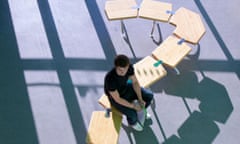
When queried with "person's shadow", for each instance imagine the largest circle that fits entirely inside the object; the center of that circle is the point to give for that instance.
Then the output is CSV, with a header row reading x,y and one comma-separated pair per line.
x,y
144,137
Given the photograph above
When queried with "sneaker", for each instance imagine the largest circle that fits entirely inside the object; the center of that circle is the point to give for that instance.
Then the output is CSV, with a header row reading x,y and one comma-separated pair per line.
x,y
148,116
137,127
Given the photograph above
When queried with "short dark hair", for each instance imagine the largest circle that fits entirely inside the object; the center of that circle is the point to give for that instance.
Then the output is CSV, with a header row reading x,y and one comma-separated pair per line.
x,y
121,61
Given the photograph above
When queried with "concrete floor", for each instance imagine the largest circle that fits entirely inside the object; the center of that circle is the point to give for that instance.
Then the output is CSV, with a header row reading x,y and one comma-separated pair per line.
x,y
54,55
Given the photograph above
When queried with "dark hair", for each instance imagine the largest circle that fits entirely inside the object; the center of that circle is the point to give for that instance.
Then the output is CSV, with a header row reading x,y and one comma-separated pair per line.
x,y
121,61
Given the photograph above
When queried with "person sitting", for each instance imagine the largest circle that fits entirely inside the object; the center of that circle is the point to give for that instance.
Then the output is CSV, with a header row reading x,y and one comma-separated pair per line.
x,y
121,93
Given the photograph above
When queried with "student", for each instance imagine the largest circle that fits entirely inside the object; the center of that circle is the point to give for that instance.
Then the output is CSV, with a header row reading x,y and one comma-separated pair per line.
x,y
121,93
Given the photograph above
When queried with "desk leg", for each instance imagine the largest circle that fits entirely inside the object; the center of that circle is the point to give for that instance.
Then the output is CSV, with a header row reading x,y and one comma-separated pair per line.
x,y
123,29
176,70
153,28
196,53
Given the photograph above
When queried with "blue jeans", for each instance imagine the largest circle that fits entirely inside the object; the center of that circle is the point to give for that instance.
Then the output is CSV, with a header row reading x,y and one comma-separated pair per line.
x,y
130,96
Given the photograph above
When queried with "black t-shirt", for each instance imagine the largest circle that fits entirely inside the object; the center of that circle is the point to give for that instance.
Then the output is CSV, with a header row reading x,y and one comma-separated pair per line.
x,y
114,82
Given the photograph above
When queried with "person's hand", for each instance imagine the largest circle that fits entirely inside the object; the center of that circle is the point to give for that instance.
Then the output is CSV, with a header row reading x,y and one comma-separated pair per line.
x,y
137,107
142,103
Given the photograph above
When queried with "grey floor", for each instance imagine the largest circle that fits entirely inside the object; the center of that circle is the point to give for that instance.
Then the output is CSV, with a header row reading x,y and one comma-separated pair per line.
x,y
54,55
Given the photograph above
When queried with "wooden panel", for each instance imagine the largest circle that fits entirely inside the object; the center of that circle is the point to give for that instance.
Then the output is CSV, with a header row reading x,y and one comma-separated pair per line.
x,y
104,101
171,52
155,10
121,9
188,25
104,130
147,73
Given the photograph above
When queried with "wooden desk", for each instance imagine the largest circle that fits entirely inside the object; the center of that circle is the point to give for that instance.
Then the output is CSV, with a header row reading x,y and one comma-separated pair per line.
x,y
170,52
103,101
147,73
155,10
188,25
121,9
104,130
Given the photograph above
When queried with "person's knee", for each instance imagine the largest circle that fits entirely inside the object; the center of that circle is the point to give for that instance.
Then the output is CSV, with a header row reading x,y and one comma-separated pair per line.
x,y
131,113
148,96
132,117
151,96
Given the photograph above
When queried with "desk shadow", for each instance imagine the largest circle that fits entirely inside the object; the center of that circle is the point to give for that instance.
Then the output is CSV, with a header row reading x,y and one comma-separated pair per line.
x,y
195,53
144,137
213,96
197,129
183,85
215,101
215,105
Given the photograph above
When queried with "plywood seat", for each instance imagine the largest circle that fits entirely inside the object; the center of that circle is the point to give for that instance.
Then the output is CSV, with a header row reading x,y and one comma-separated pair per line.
x,y
171,51
188,25
147,72
102,129
155,10
103,101
121,9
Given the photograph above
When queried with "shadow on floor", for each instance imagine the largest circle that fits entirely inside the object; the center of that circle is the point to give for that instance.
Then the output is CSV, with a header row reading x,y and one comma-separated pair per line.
x,y
143,137
101,30
197,129
234,64
16,120
70,98
215,105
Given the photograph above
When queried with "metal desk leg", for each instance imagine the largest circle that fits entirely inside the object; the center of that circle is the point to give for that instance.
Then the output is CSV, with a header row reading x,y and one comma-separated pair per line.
x,y
123,30
176,70
153,28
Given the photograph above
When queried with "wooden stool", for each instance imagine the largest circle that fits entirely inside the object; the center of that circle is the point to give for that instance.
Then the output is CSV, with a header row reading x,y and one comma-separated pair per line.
x,y
103,101
171,52
156,11
188,25
120,10
147,72
102,129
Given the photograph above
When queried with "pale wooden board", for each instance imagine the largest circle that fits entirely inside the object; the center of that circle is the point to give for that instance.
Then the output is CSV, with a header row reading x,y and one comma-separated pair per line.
x,y
121,9
147,73
155,10
188,24
170,52
104,130
103,100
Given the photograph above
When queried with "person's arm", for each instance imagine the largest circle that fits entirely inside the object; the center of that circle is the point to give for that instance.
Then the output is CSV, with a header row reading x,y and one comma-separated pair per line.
x,y
137,89
115,95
